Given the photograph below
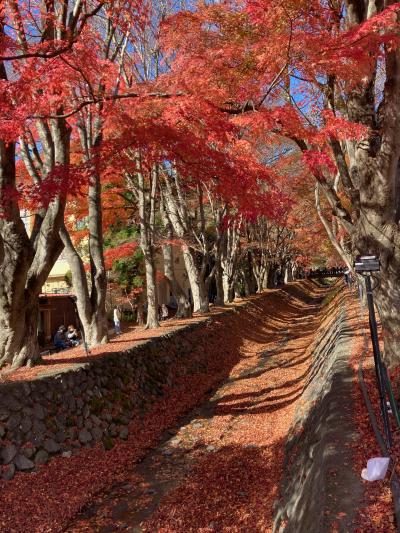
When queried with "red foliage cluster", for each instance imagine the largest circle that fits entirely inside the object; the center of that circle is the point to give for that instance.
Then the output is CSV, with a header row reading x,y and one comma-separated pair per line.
x,y
277,58
127,249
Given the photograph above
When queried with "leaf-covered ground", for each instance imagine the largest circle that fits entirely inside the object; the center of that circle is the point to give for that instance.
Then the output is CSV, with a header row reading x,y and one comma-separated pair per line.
x,y
376,513
208,456
65,360
219,469
54,495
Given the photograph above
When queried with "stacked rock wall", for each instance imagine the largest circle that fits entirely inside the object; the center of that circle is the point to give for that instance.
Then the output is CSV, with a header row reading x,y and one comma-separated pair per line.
x,y
93,402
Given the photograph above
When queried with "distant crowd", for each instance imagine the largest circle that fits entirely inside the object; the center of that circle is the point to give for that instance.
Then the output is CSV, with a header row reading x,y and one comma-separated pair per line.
x,y
327,272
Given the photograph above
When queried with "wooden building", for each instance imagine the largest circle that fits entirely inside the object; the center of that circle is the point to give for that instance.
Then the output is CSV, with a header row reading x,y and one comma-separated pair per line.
x,y
55,310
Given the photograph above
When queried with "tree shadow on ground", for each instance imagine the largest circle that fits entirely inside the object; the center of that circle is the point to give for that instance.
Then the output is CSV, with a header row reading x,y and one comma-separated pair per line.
x,y
264,319
320,490
230,489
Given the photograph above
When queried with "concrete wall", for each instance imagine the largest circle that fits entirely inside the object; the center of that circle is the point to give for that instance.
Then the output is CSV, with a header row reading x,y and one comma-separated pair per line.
x,y
319,484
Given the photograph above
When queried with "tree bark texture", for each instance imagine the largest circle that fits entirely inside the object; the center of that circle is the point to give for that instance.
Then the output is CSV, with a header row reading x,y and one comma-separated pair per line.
x,y
184,309
368,172
28,258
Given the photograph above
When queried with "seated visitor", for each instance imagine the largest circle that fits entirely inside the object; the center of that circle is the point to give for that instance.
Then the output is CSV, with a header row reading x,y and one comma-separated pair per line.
x,y
60,342
72,336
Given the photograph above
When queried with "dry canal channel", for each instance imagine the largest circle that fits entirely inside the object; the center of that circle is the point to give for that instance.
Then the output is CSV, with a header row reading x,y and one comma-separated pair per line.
x,y
241,422
257,454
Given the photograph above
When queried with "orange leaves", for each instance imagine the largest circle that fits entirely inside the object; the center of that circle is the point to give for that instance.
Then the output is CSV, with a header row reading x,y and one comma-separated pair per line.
x,y
122,251
339,128
196,139
217,53
376,509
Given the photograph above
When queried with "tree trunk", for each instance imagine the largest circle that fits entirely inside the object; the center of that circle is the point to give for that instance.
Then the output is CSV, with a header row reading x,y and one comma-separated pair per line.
x,y
271,284
204,300
18,332
184,308
151,288
91,306
91,301
265,276
219,299
259,277
98,329
140,311
230,257
247,290
197,285
177,212
225,285
27,260
237,291
288,272
231,292
146,197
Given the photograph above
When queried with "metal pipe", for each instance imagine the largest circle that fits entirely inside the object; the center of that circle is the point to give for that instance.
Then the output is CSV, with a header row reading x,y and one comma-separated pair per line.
x,y
390,393
395,484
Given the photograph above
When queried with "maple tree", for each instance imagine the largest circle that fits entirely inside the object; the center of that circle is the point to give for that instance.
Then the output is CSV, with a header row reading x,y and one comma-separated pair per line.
x,y
102,105
28,258
54,51
322,76
59,54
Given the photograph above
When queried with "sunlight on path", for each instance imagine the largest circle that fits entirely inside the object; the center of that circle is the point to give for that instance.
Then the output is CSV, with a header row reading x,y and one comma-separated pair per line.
x,y
220,469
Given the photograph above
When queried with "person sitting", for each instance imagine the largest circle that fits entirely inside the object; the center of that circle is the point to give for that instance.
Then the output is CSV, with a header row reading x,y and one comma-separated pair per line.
x,y
72,336
60,342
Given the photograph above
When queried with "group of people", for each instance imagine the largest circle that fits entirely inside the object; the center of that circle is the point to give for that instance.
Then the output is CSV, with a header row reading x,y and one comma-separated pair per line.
x,y
326,272
66,337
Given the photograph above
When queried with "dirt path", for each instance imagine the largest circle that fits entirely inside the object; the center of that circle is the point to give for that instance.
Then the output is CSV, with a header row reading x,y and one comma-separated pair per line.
x,y
219,468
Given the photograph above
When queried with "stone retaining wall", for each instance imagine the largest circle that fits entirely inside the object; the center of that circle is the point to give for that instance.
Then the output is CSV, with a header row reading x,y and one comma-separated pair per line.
x,y
93,402
319,484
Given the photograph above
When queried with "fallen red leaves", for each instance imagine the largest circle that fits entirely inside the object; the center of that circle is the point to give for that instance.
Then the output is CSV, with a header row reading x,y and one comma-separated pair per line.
x,y
234,483
66,359
63,487
233,488
376,514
